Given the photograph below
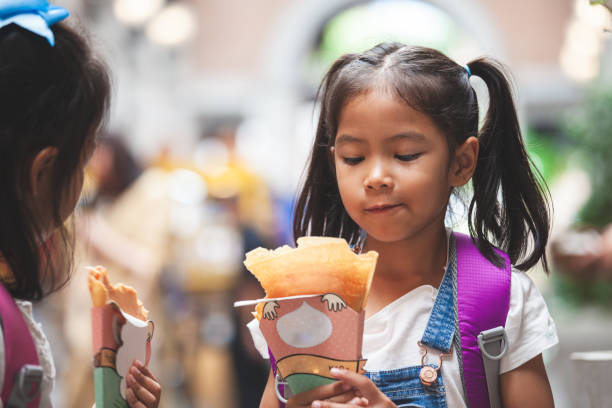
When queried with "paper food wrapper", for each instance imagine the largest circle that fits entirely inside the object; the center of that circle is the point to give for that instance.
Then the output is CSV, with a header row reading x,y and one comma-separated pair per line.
x,y
309,335
313,314
119,338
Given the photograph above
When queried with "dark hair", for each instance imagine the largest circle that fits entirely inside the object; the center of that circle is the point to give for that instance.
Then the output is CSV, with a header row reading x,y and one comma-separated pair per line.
x,y
49,97
433,84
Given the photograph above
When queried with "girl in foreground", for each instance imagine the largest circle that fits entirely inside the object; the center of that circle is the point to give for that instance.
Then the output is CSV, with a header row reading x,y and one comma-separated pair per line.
x,y
397,135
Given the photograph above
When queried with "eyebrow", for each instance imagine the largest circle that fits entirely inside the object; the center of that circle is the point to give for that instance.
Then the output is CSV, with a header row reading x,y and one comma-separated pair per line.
x,y
343,139
411,135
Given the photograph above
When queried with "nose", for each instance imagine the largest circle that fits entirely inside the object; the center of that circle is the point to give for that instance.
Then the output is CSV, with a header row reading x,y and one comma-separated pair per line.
x,y
378,178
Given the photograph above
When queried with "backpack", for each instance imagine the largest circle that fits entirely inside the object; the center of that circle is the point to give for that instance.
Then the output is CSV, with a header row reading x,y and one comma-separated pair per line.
x,y
22,374
483,302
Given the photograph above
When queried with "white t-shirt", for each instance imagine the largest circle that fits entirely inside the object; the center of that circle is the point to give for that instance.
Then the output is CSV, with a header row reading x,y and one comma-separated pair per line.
x,y
391,335
43,350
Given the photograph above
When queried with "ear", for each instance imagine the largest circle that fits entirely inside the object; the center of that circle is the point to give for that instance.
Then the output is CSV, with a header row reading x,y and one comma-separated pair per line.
x,y
464,162
40,171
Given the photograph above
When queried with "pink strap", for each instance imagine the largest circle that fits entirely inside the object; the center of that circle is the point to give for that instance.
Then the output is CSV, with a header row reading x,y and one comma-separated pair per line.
x,y
483,301
19,348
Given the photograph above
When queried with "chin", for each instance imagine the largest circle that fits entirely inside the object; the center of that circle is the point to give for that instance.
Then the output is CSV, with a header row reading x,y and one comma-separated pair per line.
x,y
387,236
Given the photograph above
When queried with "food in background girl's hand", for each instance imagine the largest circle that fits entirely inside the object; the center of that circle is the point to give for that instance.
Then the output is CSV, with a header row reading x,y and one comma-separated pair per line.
x,y
121,340
125,296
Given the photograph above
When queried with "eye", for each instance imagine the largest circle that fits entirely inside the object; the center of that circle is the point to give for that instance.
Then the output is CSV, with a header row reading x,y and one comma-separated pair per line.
x,y
351,161
407,157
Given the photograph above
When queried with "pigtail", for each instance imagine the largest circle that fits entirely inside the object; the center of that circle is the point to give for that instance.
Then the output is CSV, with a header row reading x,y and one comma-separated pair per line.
x,y
510,202
318,210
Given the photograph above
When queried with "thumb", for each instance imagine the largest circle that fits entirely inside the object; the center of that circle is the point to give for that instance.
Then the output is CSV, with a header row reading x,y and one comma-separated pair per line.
x,y
362,383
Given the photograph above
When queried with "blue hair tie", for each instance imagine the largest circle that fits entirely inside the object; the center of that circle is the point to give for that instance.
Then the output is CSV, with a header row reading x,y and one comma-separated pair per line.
x,y
467,69
33,15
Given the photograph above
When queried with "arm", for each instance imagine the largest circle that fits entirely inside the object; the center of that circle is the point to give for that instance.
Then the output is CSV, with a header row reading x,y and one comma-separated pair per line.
x,y
268,400
527,386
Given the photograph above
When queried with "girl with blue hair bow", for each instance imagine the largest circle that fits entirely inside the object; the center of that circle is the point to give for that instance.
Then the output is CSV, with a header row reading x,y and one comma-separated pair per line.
x,y
54,95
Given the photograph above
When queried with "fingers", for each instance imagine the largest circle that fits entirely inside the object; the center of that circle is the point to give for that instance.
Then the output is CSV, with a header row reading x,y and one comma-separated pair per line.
x,y
354,403
145,371
358,381
133,400
360,401
143,390
320,393
345,398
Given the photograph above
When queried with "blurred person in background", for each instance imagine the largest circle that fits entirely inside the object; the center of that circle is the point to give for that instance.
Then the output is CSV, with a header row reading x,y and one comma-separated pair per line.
x,y
218,209
118,227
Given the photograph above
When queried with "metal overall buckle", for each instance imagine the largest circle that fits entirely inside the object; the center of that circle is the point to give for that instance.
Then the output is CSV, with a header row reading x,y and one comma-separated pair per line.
x,y
429,374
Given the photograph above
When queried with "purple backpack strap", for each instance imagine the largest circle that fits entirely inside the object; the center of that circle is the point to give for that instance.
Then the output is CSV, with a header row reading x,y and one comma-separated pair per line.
x,y
19,348
281,387
483,301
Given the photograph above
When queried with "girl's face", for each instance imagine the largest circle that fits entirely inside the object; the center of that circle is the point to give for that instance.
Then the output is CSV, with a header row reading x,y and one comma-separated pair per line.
x,y
392,166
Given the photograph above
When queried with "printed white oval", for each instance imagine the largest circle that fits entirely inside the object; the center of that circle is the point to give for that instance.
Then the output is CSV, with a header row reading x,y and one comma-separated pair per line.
x,y
304,327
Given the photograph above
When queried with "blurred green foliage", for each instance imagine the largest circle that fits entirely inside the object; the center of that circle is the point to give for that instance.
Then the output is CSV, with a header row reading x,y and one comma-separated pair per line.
x,y
548,152
577,291
590,128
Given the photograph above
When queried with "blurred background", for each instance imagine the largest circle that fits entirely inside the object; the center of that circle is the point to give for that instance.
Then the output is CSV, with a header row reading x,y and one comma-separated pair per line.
x,y
211,125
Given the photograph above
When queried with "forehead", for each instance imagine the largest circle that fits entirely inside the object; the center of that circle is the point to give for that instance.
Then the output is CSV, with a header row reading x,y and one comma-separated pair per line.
x,y
381,113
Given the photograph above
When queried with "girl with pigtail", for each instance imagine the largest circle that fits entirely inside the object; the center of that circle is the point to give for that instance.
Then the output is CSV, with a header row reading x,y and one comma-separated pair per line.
x,y
54,98
398,133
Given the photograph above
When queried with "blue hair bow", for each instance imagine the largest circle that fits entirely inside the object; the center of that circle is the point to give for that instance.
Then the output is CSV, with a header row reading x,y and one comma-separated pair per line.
x,y
33,15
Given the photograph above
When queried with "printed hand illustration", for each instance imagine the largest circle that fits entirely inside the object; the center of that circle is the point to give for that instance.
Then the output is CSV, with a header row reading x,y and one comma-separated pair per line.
x,y
334,302
269,310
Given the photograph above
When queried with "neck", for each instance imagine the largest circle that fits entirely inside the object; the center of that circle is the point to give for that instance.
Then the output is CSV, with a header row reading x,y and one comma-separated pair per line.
x,y
412,262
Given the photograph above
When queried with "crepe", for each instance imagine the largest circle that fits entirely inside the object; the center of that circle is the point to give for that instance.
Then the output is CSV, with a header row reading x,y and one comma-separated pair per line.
x,y
318,265
126,297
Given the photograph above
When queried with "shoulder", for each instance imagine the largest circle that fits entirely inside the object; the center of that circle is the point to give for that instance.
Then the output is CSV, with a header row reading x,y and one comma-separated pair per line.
x,y
43,350
524,294
41,343
529,326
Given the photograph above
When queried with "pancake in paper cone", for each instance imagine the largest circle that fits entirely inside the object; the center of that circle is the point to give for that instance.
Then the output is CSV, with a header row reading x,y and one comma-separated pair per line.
x,y
121,334
318,265
309,335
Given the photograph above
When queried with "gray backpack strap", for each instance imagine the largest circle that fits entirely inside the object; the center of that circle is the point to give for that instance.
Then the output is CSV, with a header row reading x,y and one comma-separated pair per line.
x,y
26,386
490,345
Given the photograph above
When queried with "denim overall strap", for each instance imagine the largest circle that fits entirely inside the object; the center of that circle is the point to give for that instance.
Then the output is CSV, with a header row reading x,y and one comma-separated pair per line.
x,y
440,328
403,386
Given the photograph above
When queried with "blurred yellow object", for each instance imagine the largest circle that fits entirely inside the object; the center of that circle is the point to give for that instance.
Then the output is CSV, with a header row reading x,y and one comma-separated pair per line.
x,y
233,179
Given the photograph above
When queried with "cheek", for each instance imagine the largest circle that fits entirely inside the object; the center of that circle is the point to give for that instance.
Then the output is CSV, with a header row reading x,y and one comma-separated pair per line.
x,y
72,194
428,190
348,184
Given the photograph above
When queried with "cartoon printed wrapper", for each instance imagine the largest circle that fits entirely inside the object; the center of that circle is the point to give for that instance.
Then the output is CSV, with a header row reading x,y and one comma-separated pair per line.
x,y
121,334
313,315
309,335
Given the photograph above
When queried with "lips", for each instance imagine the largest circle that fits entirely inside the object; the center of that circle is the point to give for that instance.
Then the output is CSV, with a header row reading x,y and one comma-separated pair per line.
x,y
381,208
